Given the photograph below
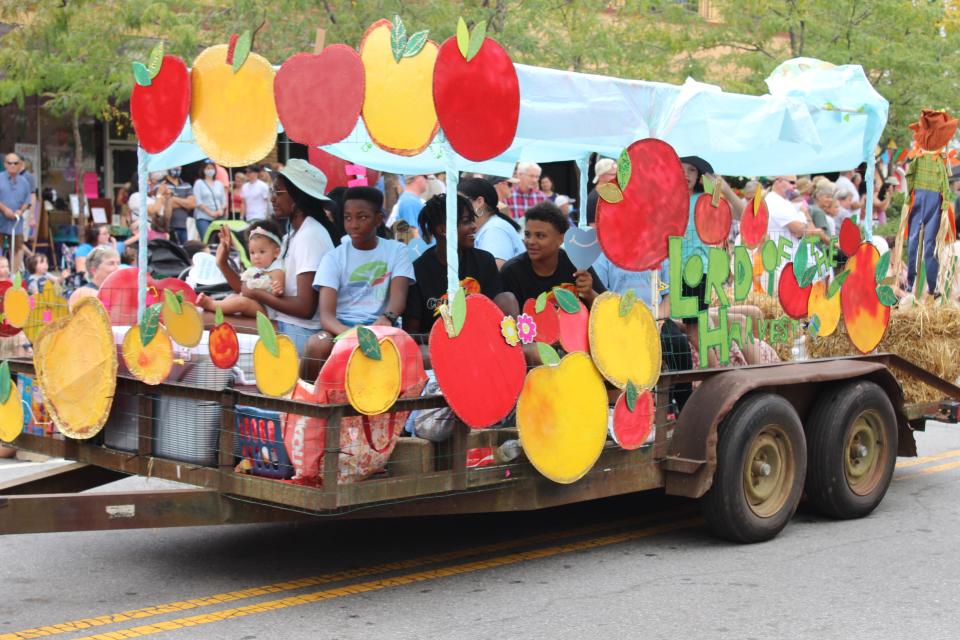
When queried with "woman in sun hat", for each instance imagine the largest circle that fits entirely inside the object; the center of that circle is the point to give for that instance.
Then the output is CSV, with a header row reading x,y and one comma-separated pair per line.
x,y
297,196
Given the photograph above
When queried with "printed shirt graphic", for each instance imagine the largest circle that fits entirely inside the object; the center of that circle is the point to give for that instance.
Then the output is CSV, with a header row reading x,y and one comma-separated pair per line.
x,y
362,278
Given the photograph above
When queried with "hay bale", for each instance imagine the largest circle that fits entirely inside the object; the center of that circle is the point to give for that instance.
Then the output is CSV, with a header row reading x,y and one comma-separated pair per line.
x,y
927,335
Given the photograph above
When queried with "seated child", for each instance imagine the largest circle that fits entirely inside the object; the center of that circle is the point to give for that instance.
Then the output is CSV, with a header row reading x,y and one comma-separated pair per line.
x,y
266,272
364,281
38,268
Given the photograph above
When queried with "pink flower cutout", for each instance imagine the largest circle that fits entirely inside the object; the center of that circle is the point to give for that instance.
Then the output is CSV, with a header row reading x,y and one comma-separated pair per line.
x,y
527,328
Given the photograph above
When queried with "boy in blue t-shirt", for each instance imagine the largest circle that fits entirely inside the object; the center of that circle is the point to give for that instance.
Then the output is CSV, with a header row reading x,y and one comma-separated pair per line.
x,y
364,281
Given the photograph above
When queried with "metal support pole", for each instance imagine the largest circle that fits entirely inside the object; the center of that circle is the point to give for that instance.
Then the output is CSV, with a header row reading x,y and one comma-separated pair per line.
x,y
142,159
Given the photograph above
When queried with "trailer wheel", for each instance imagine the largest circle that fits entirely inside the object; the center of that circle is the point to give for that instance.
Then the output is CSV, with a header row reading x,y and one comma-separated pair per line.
x,y
761,462
852,434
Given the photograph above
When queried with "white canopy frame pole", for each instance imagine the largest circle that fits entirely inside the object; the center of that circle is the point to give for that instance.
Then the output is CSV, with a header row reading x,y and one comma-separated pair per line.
x,y
143,158
582,165
453,258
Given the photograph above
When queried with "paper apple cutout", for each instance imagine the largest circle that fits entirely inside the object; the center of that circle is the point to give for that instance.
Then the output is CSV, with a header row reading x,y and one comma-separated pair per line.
x,y
547,320
793,298
624,341
479,373
159,111
373,384
118,293
223,344
713,222
6,329
634,231
11,406
276,365
398,108
849,237
562,418
319,96
630,429
753,222
865,317
826,310
574,330
476,129
233,114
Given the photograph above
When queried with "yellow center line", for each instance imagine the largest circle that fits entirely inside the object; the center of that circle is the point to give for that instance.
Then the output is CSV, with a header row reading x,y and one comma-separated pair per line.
x,y
905,464
376,585
347,574
928,470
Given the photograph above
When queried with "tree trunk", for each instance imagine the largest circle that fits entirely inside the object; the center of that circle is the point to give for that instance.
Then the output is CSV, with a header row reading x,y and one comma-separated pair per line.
x,y
78,168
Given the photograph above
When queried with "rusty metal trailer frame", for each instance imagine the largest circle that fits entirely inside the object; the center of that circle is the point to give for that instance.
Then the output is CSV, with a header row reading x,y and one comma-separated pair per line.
x,y
681,460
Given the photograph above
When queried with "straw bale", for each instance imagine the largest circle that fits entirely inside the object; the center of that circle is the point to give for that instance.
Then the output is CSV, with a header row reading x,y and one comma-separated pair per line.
x,y
927,335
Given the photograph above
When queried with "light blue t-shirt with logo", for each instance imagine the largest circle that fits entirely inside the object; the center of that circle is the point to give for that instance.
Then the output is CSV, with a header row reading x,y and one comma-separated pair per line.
x,y
362,278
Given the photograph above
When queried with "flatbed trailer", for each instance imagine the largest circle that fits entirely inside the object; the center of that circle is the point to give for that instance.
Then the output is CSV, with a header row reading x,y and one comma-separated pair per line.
x,y
686,458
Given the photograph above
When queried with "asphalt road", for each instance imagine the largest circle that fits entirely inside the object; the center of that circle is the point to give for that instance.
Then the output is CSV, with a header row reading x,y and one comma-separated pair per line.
x,y
634,567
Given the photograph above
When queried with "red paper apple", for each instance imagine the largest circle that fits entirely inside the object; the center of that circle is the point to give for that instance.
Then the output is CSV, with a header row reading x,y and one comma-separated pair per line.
x,y
655,205
118,293
793,298
865,317
753,225
849,237
319,96
479,373
574,330
159,111
713,222
477,129
547,321
630,429
223,344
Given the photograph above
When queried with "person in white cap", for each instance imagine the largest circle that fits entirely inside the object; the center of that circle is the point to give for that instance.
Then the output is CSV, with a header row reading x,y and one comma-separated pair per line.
x,y
297,197
605,170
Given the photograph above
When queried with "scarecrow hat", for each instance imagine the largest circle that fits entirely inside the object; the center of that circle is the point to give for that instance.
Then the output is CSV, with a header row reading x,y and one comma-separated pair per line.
x,y
934,129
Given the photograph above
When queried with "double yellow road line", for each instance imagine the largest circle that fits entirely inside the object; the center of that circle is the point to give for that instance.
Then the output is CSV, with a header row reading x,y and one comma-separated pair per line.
x,y
418,570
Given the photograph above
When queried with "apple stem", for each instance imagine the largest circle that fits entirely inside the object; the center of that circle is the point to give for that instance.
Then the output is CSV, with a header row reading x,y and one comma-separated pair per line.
x,y
232,47
318,43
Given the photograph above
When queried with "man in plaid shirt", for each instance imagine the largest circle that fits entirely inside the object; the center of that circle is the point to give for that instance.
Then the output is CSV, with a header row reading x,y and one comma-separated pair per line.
x,y
526,193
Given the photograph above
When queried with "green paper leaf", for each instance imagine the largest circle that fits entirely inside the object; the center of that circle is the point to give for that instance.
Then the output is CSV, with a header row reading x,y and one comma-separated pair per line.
x,y
458,311
548,355
463,36
17,281
141,75
708,186
814,326
415,44
218,317
5,383
882,267
398,38
242,50
541,302
567,301
267,334
800,262
624,169
150,323
170,298
367,341
836,283
632,394
627,301
155,61
809,275
610,192
846,117
887,297
476,39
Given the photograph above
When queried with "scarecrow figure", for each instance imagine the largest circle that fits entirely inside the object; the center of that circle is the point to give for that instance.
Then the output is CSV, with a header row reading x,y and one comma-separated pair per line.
x,y
930,213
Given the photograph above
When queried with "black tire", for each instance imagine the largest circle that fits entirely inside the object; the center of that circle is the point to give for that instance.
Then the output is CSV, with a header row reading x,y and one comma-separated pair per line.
x,y
844,480
761,464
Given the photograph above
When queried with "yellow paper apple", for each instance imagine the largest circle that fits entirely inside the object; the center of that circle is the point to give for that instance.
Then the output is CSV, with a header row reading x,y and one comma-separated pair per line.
x,y
624,340
275,363
827,310
232,113
48,306
11,408
76,365
183,320
398,107
151,362
562,417
16,304
372,382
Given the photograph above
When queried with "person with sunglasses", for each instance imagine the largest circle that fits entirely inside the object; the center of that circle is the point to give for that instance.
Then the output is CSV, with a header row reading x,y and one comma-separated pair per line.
x,y
785,219
14,202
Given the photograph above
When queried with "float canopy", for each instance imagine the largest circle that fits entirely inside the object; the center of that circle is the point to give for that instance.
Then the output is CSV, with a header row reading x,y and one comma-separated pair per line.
x,y
816,118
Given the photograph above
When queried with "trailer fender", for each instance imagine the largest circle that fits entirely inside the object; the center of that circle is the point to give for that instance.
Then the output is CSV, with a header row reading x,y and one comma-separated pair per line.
x,y
692,453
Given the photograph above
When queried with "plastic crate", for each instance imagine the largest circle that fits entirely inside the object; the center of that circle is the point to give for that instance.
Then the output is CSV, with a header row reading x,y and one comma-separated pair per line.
x,y
261,442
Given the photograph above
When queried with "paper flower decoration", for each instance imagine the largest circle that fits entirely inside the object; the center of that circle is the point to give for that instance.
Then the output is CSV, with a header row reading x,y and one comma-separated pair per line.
x,y
508,329
526,328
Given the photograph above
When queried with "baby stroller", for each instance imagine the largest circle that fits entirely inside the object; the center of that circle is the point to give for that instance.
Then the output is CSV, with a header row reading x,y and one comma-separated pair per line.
x,y
166,259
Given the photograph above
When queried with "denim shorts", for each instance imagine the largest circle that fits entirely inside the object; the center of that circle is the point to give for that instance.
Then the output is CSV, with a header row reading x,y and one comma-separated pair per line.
x,y
299,335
